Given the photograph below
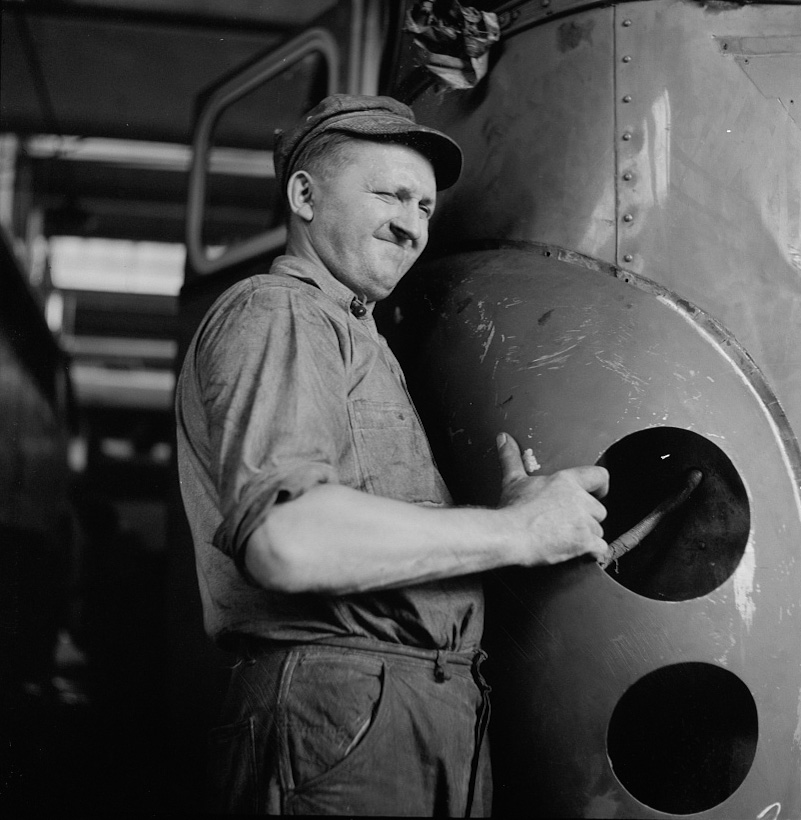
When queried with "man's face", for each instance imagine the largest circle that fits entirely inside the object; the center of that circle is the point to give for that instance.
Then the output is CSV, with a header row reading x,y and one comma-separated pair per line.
x,y
370,217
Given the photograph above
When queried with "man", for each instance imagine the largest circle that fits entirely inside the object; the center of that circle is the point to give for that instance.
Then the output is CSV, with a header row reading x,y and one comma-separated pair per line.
x,y
329,554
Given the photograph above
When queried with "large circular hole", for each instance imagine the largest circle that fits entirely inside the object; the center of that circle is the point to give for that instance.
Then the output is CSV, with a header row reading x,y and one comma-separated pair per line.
x,y
695,547
683,738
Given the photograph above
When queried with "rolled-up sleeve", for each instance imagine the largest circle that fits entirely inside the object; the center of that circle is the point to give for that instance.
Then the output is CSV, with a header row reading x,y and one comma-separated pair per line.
x,y
274,391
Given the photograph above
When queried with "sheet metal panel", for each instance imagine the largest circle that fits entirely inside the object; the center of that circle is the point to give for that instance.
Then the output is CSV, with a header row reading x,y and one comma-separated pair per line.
x,y
710,174
662,136
637,170
665,687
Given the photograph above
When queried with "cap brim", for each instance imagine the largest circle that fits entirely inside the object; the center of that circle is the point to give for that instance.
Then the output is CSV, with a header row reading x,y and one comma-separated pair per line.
x,y
442,152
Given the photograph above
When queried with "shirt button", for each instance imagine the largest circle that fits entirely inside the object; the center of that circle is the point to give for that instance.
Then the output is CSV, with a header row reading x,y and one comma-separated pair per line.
x,y
358,308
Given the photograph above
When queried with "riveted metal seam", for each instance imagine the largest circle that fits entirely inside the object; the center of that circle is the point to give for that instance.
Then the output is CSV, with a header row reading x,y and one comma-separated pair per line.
x,y
615,127
626,138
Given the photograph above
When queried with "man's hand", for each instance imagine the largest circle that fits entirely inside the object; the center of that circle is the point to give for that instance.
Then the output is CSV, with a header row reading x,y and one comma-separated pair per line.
x,y
559,515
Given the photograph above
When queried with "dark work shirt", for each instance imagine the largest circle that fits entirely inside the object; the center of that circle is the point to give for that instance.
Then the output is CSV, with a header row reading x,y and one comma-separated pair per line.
x,y
284,388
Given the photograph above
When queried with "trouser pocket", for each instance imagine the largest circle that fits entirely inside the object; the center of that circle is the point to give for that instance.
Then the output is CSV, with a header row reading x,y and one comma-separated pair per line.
x,y
329,710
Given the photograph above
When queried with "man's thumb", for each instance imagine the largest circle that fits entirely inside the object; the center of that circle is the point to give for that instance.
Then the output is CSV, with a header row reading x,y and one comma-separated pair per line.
x,y
509,456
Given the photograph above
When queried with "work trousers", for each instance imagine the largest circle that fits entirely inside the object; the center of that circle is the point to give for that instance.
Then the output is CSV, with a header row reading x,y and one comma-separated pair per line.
x,y
353,730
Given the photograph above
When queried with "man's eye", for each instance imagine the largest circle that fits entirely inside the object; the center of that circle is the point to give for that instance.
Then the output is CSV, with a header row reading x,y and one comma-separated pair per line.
x,y
426,211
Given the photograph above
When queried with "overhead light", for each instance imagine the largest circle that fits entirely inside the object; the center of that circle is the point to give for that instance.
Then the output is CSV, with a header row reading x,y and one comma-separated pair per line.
x,y
145,389
116,265
154,156
120,349
54,311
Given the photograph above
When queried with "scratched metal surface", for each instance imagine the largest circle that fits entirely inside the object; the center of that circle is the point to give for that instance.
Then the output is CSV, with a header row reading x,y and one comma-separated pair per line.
x,y
574,358
663,136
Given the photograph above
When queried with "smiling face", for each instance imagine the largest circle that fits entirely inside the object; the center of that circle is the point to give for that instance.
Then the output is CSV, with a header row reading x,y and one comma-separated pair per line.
x,y
366,219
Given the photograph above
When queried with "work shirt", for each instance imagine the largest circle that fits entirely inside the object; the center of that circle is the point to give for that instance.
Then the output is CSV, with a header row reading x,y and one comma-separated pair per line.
x,y
284,387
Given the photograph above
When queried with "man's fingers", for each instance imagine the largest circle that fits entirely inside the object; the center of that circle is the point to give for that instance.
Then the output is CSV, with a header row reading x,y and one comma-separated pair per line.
x,y
602,553
594,480
510,458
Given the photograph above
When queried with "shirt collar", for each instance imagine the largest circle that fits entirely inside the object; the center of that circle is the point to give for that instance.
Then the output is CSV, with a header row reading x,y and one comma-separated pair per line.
x,y
322,277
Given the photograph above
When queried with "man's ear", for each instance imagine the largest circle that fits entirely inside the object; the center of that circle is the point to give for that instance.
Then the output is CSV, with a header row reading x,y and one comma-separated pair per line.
x,y
299,195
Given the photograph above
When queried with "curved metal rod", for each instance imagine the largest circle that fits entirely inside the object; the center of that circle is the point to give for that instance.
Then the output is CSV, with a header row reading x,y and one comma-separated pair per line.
x,y
314,40
632,538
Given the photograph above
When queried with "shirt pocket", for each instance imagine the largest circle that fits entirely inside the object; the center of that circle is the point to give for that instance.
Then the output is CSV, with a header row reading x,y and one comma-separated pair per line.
x,y
393,454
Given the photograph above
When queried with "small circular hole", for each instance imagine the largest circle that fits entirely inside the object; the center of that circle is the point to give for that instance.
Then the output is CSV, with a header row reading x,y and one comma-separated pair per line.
x,y
695,547
682,739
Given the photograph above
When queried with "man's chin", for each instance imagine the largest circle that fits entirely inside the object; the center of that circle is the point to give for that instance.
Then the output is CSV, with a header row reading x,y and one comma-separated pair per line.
x,y
377,295
380,290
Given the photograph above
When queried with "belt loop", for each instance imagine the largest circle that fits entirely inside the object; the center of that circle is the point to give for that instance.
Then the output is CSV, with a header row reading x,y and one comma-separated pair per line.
x,y
442,671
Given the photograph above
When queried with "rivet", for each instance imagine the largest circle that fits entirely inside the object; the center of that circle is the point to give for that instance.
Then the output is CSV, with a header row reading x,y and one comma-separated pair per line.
x,y
627,59
628,217
627,22
546,3
628,257
627,176
627,98
627,136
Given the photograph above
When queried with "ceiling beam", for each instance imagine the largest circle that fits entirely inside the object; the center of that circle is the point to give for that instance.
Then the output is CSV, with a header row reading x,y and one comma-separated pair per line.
x,y
279,16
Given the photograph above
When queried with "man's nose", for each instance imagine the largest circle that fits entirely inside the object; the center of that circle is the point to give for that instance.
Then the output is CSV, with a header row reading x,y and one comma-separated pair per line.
x,y
408,224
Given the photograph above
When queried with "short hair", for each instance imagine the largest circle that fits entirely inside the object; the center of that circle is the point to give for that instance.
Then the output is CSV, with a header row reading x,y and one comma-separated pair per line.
x,y
324,155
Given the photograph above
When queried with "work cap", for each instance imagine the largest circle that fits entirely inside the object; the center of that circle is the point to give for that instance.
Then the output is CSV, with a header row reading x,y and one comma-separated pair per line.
x,y
368,117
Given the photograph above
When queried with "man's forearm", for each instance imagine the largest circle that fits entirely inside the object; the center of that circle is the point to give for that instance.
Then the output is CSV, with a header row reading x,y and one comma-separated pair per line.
x,y
337,540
